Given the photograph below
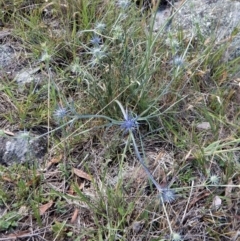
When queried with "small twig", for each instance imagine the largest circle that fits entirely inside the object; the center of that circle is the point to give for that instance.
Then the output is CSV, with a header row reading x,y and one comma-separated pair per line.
x,y
185,211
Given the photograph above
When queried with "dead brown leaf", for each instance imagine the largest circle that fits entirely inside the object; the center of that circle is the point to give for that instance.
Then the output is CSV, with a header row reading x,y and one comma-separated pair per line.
x,y
228,192
35,181
74,216
81,185
207,41
223,77
71,190
82,174
9,133
45,207
54,160
7,179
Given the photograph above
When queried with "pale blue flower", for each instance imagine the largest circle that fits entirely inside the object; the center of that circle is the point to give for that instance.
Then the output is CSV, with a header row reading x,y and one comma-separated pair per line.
x,y
123,3
129,124
96,41
97,55
60,113
75,66
214,179
100,27
118,32
176,237
168,195
178,61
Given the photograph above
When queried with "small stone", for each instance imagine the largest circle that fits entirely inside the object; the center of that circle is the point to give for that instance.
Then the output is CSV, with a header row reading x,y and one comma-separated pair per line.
x,y
24,147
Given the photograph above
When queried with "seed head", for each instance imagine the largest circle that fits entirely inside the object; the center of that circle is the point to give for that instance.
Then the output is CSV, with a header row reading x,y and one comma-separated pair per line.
x,y
168,195
176,237
100,27
118,32
123,3
60,113
75,67
214,179
97,55
178,61
45,57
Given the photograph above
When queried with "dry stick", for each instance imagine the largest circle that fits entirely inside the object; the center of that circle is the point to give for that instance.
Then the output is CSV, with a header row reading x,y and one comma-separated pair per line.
x,y
185,211
14,237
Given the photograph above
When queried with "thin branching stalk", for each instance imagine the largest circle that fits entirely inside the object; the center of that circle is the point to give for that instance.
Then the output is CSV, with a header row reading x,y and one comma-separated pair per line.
x,y
150,176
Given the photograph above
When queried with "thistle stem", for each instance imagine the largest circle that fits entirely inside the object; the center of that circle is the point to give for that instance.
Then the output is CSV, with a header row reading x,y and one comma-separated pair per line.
x,y
150,176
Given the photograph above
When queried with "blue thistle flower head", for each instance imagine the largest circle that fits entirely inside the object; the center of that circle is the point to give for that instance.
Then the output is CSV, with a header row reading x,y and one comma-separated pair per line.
x,y
130,123
178,61
96,41
100,27
168,195
123,3
176,237
60,113
214,179
98,54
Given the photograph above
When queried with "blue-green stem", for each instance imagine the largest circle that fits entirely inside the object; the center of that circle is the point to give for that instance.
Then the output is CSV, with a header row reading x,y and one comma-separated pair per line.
x,y
150,176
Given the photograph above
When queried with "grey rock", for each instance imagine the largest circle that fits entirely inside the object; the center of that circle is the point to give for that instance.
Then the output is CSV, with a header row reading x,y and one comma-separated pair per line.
x,y
21,148
7,55
27,76
211,18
